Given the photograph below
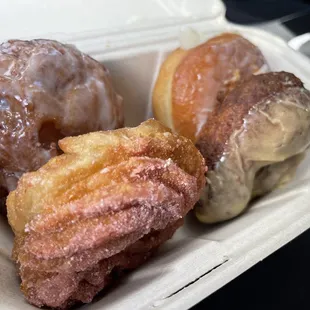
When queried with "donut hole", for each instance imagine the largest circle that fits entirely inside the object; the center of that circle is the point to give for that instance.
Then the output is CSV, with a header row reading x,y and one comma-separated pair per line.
x,y
49,135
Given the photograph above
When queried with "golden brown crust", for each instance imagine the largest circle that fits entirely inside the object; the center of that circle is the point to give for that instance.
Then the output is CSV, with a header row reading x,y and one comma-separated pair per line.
x,y
162,90
87,208
229,115
191,82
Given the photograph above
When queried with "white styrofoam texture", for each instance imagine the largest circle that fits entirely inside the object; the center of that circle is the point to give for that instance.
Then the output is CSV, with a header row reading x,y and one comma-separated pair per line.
x,y
199,259
87,18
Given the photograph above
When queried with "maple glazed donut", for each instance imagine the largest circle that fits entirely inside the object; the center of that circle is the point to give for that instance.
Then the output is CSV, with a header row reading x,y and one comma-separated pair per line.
x,y
191,82
253,143
48,90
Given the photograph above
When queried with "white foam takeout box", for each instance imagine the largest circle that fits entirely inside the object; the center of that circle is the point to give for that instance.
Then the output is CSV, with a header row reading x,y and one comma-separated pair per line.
x,y
132,38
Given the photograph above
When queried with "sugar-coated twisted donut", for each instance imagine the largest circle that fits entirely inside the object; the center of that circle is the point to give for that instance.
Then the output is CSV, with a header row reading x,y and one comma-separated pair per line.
x,y
104,205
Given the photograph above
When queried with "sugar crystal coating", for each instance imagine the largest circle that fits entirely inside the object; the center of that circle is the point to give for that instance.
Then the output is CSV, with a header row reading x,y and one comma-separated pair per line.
x,y
104,205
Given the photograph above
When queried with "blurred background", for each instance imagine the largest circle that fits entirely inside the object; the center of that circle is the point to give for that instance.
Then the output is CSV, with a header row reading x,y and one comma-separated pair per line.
x,y
281,281
251,11
287,18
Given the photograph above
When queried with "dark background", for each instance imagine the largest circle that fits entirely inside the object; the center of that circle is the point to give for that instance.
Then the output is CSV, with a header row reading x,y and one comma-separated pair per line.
x,y
281,281
256,11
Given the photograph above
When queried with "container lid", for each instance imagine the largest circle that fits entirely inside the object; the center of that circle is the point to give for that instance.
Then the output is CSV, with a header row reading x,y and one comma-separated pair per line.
x,y
37,18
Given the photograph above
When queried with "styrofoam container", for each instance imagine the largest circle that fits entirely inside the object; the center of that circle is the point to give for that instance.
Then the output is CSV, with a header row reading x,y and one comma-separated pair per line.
x,y
132,38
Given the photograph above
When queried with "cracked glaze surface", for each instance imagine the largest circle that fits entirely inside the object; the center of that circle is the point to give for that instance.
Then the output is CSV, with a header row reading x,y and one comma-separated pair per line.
x,y
48,91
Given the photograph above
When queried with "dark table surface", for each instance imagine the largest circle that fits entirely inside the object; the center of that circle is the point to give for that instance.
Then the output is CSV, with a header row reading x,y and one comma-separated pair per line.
x,y
281,281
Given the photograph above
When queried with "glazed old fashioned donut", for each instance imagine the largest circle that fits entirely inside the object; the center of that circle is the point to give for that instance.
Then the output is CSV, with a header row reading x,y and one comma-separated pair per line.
x,y
48,91
253,143
191,82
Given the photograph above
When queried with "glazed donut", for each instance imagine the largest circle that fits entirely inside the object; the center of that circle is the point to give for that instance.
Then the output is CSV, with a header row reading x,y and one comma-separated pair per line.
x,y
48,91
191,82
253,143
103,206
